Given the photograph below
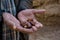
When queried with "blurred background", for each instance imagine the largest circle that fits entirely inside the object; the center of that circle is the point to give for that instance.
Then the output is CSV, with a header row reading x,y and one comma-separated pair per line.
x,y
50,19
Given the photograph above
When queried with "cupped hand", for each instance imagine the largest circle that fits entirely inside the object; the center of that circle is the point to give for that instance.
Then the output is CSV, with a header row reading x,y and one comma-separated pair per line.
x,y
27,19
14,24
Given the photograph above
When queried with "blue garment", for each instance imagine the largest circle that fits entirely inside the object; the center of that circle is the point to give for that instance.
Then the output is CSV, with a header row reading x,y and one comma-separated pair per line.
x,y
13,7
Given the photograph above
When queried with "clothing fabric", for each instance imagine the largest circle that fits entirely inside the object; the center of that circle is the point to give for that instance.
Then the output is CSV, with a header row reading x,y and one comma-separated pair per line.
x,y
13,7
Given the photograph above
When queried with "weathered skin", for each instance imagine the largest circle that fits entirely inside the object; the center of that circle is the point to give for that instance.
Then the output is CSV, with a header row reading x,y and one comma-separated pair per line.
x,y
13,23
27,17
24,17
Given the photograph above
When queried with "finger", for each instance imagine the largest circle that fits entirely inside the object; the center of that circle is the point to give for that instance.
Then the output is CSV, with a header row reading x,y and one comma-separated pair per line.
x,y
28,30
38,11
29,25
24,30
37,24
26,24
31,22
34,28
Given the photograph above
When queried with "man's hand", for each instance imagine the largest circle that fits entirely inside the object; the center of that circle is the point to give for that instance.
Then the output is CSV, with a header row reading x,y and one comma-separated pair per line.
x,y
14,24
27,17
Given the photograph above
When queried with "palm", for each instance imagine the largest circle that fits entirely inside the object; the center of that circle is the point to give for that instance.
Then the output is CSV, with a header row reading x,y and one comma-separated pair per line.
x,y
25,15
28,14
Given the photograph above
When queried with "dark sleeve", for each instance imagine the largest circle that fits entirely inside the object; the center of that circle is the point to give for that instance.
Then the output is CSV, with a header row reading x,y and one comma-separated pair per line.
x,y
0,15
0,12
24,4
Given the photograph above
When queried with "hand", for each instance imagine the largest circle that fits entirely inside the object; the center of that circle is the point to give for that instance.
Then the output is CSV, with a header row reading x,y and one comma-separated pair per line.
x,y
27,17
14,24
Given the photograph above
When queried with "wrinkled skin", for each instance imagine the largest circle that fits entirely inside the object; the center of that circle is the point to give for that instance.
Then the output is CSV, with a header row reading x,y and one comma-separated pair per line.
x,y
23,16
12,22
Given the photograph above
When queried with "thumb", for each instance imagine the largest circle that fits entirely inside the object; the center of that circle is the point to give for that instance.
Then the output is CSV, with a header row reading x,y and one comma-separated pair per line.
x,y
35,11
